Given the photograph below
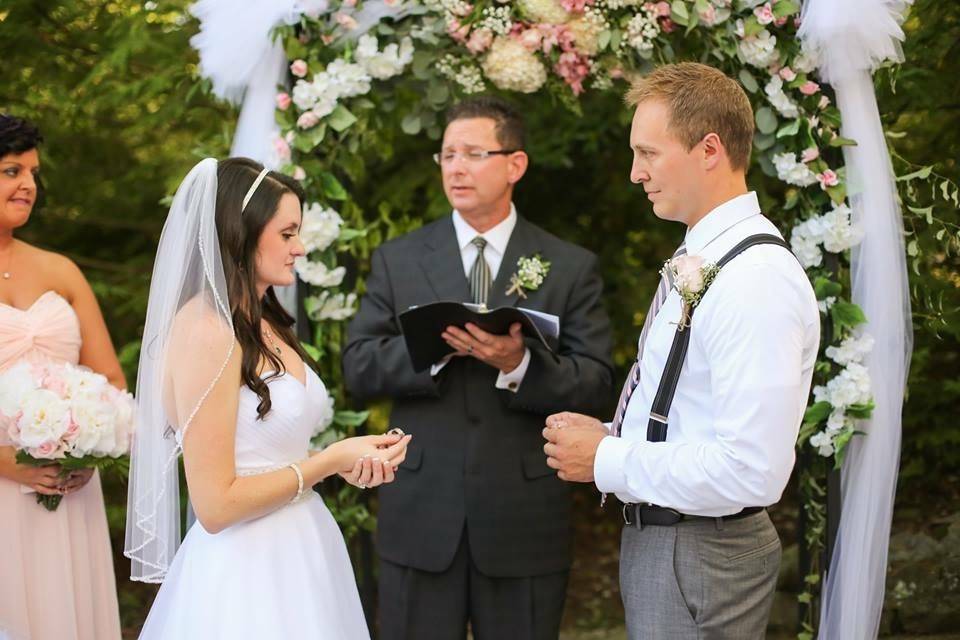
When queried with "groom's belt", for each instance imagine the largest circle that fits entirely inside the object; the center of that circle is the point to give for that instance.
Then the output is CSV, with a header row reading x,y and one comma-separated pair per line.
x,y
643,515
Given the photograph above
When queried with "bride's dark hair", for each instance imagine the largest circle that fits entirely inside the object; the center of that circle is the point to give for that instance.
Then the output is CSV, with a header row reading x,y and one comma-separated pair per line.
x,y
239,233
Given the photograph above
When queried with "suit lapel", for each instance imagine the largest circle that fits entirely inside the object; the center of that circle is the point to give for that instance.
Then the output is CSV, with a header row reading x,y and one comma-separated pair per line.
x,y
522,243
443,266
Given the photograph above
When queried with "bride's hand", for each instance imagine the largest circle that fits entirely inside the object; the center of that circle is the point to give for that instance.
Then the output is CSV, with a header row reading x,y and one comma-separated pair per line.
x,y
370,472
390,449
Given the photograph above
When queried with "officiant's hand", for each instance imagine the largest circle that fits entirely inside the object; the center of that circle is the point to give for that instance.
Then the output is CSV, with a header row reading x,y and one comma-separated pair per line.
x,y
572,441
501,352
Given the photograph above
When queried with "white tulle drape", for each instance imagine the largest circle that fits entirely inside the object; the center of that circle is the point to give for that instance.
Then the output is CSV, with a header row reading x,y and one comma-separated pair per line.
x,y
850,38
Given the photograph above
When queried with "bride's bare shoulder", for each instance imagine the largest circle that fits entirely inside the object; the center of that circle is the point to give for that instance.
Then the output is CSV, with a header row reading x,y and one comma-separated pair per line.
x,y
202,325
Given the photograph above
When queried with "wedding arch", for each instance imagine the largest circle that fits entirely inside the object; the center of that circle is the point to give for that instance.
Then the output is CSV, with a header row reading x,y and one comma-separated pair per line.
x,y
317,77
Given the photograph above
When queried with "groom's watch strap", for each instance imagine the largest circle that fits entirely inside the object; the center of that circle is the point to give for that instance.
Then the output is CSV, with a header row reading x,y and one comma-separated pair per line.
x,y
660,409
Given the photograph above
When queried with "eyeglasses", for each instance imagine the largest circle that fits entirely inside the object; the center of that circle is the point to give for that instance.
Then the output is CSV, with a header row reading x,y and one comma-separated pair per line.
x,y
475,155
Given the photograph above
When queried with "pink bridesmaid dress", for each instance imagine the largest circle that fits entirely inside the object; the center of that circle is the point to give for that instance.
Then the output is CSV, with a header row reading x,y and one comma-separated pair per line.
x,y
56,567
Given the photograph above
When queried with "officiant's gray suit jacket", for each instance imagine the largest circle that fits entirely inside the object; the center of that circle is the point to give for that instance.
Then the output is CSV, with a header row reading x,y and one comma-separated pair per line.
x,y
476,458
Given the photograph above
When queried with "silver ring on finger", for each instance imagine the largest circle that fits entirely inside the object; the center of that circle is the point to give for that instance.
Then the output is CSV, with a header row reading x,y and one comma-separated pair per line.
x,y
363,486
469,348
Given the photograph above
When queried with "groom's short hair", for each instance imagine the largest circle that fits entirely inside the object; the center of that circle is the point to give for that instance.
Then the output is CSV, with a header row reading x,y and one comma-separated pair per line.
x,y
507,120
701,100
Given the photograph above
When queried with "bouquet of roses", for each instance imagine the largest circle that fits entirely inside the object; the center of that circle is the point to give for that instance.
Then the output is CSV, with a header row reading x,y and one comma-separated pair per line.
x,y
67,415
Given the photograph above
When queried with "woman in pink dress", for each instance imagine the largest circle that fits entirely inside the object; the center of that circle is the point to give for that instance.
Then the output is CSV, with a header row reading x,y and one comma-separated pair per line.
x,y
57,579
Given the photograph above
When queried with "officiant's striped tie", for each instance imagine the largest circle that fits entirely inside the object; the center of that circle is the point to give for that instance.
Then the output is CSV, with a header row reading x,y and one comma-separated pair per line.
x,y
480,273
630,385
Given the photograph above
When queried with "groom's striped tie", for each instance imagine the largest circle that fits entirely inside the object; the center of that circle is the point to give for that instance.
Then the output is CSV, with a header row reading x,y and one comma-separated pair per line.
x,y
630,385
480,273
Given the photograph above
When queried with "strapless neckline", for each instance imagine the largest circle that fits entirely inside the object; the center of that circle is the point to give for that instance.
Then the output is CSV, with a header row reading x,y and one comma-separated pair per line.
x,y
36,302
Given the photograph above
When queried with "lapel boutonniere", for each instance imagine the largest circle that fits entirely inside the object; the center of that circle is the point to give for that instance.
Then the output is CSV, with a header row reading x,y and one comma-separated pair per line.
x,y
529,275
691,278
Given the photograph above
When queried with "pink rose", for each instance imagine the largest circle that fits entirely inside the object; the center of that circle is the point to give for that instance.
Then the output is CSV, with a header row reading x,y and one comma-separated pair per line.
x,y
349,3
299,68
688,270
575,6
764,14
663,9
531,39
809,88
308,119
573,68
48,450
828,179
283,101
809,155
457,31
347,22
788,74
479,41
667,25
282,149
299,174
73,430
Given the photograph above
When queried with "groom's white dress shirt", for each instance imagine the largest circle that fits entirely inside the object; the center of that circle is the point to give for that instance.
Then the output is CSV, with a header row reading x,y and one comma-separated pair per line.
x,y
497,239
743,388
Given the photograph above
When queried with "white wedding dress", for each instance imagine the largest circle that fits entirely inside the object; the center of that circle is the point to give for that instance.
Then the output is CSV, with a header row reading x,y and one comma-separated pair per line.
x,y
284,575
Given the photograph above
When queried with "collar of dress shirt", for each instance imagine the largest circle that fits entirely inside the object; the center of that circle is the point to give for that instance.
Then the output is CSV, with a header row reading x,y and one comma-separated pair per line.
x,y
497,237
719,220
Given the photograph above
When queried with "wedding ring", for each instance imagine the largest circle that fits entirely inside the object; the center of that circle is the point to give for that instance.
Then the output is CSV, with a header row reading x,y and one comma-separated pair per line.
x,y
363,486
396,431
470,348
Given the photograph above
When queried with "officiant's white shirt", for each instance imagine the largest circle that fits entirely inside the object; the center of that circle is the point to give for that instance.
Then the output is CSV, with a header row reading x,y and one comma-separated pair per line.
x,y
742,390
497,239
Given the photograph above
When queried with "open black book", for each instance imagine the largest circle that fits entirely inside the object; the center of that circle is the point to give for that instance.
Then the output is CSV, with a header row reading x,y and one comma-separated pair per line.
x,y
422,327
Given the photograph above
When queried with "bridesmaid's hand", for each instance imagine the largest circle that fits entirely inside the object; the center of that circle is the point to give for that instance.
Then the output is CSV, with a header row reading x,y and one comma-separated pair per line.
x,y
76,480
44,480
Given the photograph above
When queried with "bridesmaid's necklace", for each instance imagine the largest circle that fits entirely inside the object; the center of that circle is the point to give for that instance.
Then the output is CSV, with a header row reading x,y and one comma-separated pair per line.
x,y
6,273
269,336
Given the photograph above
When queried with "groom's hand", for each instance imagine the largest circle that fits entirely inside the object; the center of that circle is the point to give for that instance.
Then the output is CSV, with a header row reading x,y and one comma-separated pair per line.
x,y
572,441
501,352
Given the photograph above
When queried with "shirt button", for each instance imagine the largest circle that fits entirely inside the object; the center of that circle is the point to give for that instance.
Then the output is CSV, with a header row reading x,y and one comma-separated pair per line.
x,y
512,386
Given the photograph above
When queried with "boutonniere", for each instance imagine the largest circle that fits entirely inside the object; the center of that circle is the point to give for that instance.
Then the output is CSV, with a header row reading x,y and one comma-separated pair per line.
x,y
529,275
691,278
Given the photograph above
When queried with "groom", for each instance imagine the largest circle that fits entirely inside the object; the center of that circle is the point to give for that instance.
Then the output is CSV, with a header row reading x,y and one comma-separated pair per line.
x,y
478,527
703,438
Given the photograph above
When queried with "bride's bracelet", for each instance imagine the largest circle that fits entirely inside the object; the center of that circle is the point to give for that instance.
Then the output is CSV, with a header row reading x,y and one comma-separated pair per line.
x,y
296,470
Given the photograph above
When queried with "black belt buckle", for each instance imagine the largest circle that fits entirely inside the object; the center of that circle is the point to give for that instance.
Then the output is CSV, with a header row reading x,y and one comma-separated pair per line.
x,y
649,514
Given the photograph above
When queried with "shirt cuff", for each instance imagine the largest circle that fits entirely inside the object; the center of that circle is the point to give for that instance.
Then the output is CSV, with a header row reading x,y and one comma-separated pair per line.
x,y
435,368
511,381
609,465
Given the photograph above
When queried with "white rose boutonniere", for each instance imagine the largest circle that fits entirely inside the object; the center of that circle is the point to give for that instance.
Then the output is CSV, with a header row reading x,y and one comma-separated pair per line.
x,y
691,278
529,275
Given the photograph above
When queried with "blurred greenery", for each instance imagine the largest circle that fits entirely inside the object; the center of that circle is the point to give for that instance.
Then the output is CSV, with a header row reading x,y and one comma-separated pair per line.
x,y
112,85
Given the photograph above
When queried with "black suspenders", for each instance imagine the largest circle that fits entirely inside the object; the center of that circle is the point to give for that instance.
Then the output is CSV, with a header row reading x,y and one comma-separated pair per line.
x,y
657,426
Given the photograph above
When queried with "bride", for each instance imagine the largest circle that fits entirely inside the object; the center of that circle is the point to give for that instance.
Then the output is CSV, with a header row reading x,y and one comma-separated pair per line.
x,y
223,379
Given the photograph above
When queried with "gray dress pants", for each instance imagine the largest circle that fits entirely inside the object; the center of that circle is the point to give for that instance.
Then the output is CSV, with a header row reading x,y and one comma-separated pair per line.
x,y
702,579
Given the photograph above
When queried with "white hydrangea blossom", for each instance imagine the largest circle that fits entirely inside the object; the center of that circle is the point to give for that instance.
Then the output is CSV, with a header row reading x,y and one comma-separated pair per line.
x,y
548,11
348,79
317,273
851,386
319,227
804,63
780,100
834,230
387,63
642,29
839,233
511,67
852,349
823,441
331,306
792,171
760,50
826,304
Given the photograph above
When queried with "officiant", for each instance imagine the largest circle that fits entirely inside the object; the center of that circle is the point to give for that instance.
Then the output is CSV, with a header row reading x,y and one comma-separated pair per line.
x,y
478,528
